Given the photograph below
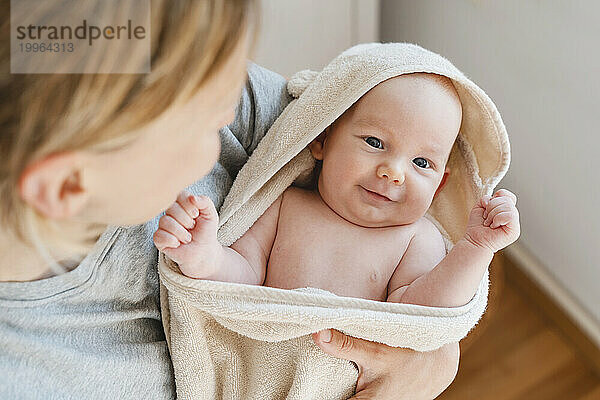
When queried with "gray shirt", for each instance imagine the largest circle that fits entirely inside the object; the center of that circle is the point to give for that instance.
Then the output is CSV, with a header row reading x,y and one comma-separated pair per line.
x,y
96,331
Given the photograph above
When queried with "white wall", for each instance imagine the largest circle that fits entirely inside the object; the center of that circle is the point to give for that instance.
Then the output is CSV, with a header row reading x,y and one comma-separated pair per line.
x,y
301,34
540,62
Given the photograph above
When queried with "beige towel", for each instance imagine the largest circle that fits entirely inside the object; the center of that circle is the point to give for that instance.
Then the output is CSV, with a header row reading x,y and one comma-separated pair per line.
x,y
236,341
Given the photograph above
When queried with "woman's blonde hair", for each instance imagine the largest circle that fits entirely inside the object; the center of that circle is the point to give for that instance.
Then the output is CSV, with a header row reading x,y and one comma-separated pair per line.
x,y
43,114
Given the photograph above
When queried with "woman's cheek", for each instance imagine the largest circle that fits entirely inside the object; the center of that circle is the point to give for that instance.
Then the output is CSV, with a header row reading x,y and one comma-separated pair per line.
x,y
215,151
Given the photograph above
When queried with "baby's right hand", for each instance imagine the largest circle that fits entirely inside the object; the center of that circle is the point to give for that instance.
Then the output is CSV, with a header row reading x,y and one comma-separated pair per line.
x,y
187,234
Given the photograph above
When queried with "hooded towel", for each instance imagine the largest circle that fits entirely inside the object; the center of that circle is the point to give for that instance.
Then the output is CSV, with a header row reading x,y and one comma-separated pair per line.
x,y
237,341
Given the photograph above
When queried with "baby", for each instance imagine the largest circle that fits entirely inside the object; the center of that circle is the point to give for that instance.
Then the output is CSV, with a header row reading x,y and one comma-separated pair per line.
x,y
362,231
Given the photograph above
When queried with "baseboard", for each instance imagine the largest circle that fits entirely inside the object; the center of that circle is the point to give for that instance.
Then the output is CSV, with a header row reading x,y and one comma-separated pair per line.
x,y
556,302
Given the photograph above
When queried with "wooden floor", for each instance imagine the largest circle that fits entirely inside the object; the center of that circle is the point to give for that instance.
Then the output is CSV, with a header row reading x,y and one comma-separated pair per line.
x,y
520,351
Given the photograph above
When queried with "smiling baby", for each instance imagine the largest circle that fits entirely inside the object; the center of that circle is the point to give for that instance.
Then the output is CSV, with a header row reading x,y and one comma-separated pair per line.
x,y
362,232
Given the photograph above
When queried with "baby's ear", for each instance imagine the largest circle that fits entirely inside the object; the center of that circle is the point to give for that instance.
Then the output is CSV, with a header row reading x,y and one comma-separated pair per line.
x,y
316,146
443,181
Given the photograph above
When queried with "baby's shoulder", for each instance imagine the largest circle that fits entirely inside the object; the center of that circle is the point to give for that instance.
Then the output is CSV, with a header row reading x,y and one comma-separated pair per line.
x,y
301,203
293,193
420,234
425,231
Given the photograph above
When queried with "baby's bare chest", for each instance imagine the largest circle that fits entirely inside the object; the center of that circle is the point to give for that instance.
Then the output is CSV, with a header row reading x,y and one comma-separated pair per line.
x,y
315,247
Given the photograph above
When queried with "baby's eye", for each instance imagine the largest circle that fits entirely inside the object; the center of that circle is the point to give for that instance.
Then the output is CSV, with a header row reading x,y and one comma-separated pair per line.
x,y
421,162
374,142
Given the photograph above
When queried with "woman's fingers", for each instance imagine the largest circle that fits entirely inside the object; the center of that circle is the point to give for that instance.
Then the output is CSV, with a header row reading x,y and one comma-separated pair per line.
x,y
384,369
335,343
365,354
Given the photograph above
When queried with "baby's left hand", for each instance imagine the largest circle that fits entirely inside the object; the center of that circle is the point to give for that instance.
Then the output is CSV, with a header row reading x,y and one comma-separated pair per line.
x,y
494,221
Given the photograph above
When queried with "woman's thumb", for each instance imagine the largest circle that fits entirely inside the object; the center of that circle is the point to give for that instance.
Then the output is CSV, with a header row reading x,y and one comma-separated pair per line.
x,y
336,344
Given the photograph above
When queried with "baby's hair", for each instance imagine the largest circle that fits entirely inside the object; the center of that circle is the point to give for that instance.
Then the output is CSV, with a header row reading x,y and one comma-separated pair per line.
x,y
45,114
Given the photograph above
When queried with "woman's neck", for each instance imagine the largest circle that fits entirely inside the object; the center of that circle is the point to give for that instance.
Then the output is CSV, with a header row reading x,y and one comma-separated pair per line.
x,y
22,262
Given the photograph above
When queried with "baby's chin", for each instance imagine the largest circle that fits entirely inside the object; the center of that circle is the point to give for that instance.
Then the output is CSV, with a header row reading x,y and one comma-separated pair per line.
x,y
376,221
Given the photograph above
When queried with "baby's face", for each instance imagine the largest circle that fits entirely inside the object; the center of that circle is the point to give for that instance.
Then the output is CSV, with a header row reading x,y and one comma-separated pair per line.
x,y
384,159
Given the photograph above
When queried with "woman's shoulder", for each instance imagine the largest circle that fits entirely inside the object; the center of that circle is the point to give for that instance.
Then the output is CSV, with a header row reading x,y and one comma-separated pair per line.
x,y
263,98
266,84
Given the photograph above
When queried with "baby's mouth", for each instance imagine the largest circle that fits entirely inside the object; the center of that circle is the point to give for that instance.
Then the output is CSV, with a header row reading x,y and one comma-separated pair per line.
x,y
376,196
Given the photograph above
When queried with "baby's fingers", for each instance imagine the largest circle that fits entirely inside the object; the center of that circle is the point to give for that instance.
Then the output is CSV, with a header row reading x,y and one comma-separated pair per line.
x,y
177,212
497,209
205,207
494,203
163,240
481,205
169,224
483,202
505,218
506,193
185,202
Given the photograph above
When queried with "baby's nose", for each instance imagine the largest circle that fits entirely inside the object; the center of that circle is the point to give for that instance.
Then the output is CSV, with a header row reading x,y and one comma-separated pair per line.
x,y
394,175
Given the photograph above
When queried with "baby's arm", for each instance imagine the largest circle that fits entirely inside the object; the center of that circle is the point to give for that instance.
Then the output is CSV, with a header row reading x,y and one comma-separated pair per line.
x,y
188,235
452,282
425,250
493,224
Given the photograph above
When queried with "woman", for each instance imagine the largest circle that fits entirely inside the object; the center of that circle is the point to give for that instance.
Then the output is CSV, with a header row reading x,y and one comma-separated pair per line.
x,y
82,182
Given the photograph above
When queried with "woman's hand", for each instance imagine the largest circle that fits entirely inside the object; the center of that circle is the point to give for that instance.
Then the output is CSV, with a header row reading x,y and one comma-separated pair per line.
x,y
386,372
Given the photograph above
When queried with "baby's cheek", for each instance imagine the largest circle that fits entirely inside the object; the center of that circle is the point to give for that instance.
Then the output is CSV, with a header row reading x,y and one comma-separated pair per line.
x,y
421,202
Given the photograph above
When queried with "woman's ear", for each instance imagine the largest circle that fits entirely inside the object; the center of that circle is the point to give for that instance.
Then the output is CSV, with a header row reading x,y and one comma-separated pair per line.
x,y
443,181
53,185
316,146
